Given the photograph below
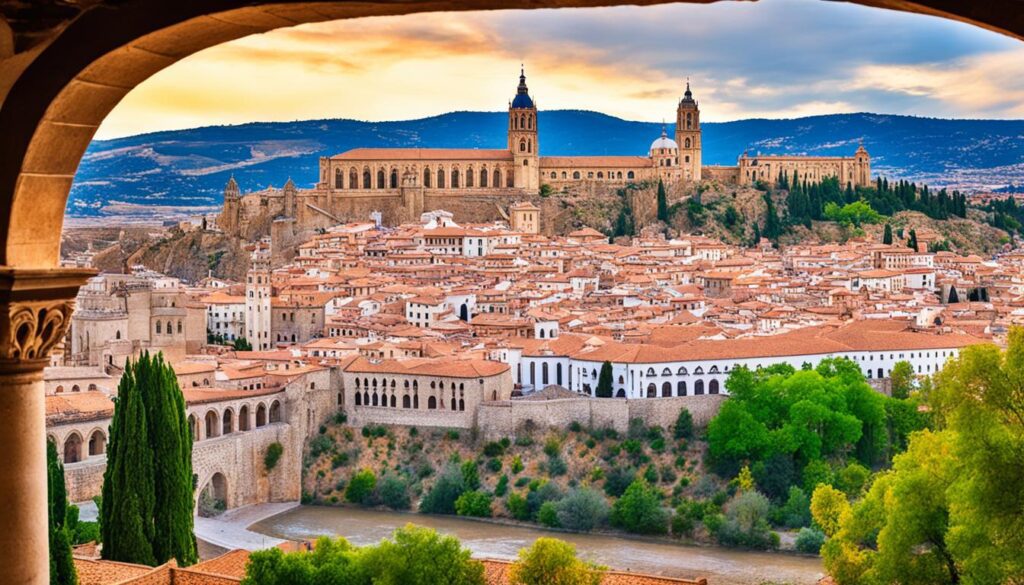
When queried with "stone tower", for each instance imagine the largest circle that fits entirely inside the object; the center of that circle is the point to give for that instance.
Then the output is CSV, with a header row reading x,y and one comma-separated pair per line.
x,y
257,299
290,192
688,135
228,221
522,137
861,167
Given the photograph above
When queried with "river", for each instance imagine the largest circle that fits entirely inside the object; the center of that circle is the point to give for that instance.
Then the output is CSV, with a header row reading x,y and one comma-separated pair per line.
x,y
721,566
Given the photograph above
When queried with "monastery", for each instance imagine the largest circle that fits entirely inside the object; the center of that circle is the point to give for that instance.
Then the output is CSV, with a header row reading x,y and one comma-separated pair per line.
x,y
402,183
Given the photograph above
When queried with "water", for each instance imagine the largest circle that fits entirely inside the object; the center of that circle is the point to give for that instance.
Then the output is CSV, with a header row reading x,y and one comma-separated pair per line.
x,y
720,565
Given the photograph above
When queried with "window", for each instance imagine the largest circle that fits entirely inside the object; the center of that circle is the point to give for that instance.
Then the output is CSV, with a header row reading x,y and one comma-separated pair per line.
x,y
380,179
366,178
339,179
576,174
394,179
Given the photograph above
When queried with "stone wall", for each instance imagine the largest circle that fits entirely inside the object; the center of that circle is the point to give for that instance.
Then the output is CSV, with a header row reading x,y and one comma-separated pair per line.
x,y
729,175
505,418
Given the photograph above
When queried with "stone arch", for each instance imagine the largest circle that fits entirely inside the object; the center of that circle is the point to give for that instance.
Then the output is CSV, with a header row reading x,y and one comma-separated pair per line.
x,y
214,497
193,426
497,178
666,389
681,389
431,403
426,177
73,448
393,179
212,421
97,443
59,390
243,418
275,411
621,393
455,178
483,177
713,387
380,179
261,415
227,422
469,177
440,178
652,390
698,387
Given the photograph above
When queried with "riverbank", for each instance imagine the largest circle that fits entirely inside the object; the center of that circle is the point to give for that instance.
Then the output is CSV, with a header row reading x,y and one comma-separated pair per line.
x,y
652,556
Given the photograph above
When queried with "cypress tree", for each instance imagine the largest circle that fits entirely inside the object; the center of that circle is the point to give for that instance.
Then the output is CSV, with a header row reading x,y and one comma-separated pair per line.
x,y
772,227
662,202
62,566
756,238
912,240
126,514
171,441
146,517
887,236
604,381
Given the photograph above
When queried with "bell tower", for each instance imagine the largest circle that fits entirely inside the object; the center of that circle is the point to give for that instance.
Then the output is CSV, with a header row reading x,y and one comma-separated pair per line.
x,y
688,135
522,138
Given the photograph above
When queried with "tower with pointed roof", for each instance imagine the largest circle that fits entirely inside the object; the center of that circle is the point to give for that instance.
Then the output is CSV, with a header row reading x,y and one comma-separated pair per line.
x,y
228,220
688,135
522,138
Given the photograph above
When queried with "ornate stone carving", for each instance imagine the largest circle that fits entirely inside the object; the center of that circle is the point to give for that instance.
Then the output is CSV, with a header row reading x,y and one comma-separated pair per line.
x,y
35,313
30,329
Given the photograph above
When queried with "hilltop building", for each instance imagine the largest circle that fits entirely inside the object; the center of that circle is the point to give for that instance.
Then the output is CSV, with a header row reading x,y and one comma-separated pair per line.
x,y
399,184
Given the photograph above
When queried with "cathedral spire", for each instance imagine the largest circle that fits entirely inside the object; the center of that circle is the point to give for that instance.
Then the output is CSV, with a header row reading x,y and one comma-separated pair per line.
x,y
522,99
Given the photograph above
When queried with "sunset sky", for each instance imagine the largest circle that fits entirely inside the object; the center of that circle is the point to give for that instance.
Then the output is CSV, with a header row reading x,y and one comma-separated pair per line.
x,y
774,58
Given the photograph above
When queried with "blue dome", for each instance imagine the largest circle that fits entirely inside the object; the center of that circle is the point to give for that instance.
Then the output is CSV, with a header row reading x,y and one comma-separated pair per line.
x,y
522,100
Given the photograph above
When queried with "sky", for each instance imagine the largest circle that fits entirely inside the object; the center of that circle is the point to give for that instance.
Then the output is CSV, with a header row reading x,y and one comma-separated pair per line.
x,y
772,59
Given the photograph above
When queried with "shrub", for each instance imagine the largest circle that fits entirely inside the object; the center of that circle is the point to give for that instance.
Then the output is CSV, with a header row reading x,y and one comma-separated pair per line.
x,y
575,427
393,492
651,475
494,465
502,488
452,435
637,428
518,507
361,487
522,481
582,509
493,449
632,446
816,472
796,512
552,447
746,522
557,466
323,429
524,441
617,480
414,432
687,514
683,429
852,478
474,503
340,417
548,514
339,460
809,540
550,561
273,454
545,492
470,475
517,465
442,495
319,445
658,445
590,443
639,510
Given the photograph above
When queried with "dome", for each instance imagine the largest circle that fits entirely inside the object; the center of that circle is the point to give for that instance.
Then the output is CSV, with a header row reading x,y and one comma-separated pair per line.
x,y
522,100
663,141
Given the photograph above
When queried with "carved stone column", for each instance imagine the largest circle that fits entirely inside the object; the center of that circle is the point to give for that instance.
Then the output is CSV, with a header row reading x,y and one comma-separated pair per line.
x,y
35,312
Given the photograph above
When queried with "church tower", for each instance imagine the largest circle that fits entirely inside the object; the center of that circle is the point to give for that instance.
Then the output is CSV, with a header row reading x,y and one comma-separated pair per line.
x,y
289,198
688,135
228,221
522,138
862,167
257,300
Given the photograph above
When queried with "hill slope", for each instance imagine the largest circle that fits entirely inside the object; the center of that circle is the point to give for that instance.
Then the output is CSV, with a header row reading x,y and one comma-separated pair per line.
x,y
188,168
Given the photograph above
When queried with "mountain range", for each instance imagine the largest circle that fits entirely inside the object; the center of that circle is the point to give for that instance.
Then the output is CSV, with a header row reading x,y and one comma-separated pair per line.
x,y
188,168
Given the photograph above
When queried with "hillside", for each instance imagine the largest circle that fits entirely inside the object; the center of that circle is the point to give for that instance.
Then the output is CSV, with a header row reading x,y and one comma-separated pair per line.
x,y
188,168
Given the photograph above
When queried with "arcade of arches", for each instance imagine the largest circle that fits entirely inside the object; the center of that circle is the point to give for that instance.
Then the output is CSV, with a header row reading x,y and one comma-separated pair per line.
x,y
63,67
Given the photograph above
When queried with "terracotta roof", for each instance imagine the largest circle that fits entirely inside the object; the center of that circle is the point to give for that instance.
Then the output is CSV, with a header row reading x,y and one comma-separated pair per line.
x,y
471,368
78,406
229,564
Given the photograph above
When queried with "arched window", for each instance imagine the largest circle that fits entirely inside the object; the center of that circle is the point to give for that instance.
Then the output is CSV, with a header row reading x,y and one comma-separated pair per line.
x,y
179,326
529,122
483,177
373,397
529,146
455,178
432,403
666,372
353,179
652,390
682,371
698,387
576,175
392,401
359,399
275,412
380,179
621,393
76,388
522,146
544,373
212,426
73,448
97,443
510,181
228,424
426,178
469,177
713,387
666,389
261,415
558,374
689,120
339,179
687,143
699,370
630,175
650,372
117,335
366,179
405,401
243,418
59,390
159,328
497,178
394,179
522,121
681,389
600,175
619,175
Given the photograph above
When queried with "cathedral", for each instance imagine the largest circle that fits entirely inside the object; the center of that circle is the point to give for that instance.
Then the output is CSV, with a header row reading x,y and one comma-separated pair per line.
x,y
403,182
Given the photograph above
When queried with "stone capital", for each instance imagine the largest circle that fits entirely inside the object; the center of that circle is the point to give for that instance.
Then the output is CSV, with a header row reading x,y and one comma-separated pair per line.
x,y
35,312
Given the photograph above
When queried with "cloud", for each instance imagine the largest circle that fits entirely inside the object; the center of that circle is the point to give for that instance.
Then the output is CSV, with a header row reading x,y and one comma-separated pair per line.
x,y
777,58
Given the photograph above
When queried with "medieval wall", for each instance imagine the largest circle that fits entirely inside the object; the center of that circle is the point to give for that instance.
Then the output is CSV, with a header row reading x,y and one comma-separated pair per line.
x,y
730,175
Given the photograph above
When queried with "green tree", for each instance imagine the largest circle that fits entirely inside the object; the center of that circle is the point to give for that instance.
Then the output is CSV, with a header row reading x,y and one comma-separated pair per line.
x,y
420,556
470,474
62,566
683,428
772,225
242,344
582,509
604,381
662,202
856,213
445,491
639,510
746,522
902,379
550,561
887,235
361,487
912,240
474,503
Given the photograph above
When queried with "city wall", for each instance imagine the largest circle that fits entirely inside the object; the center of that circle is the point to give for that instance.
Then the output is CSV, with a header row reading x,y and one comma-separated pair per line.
x,y
721,174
